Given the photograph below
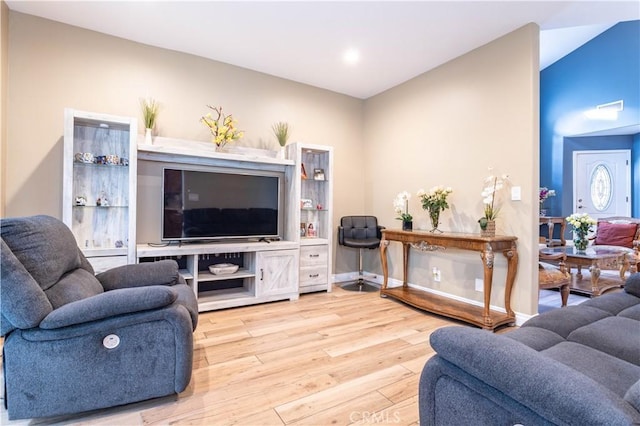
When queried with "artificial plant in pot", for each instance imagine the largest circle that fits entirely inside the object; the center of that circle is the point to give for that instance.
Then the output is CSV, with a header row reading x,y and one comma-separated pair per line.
x,y
281,131
149,114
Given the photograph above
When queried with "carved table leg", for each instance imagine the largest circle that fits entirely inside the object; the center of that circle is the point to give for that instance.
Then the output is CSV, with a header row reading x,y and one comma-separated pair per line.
x,y
487,261
579,273
624,266
383,259
405,262
512,269
595,276
550,226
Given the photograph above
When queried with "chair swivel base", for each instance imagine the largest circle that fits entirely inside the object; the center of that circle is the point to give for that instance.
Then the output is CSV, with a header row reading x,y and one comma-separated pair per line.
x,y
360,286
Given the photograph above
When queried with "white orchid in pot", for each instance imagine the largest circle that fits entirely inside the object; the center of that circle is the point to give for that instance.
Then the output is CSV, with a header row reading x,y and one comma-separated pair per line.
x,y
401,207
493,184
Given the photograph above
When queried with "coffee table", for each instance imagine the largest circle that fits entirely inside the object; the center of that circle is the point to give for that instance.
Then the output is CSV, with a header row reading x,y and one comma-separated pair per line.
x,y
596,258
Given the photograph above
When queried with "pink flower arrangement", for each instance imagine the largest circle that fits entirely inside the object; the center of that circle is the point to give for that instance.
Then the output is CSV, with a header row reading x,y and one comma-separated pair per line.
x,y
546,193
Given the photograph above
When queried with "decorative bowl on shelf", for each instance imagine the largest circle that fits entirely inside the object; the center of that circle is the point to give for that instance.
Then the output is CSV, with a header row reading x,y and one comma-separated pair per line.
x,y
223,268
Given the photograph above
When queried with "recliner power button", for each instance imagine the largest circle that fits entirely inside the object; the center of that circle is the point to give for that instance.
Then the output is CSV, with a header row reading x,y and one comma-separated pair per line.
x,y
111,341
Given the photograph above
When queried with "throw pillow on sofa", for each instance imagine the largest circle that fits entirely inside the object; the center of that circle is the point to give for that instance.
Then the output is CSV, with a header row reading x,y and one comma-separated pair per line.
x,y
615,234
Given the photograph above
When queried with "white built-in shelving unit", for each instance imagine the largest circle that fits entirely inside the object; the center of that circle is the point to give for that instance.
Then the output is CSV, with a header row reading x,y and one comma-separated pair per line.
x,y
99,193
310,221
268,271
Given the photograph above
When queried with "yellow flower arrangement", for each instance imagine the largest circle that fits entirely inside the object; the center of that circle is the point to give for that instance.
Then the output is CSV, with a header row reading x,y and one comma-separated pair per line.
x,y
223,127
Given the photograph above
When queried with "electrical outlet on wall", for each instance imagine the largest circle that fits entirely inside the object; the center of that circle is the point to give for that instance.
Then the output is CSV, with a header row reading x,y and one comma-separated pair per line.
x,y
479,284
436,274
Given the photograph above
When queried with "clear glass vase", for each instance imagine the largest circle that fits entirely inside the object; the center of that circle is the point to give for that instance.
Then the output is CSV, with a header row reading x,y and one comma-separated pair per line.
x,y
581,242
434,215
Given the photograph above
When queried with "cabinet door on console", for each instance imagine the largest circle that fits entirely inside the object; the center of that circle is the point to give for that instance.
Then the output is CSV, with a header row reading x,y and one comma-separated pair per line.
x,y
277,272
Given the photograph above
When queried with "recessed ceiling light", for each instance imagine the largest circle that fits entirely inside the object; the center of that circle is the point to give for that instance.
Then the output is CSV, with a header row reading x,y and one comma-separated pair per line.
x,y
351,56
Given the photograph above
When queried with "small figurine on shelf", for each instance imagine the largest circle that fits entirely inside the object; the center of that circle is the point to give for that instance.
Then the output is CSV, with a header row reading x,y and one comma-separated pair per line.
x,y
311,231
318,174
306,203
81,200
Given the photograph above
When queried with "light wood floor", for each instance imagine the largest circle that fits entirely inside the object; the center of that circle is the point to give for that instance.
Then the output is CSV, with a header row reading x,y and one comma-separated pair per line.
x,y
328,358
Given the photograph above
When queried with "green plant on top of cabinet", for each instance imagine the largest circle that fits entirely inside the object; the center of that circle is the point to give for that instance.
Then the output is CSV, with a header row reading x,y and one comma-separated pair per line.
x,y
99,192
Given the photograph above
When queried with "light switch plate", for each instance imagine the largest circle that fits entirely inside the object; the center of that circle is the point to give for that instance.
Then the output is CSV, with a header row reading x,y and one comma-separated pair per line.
x,y
516,193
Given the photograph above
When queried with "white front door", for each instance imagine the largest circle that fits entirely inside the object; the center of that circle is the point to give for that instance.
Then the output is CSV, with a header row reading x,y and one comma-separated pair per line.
x,y
602,183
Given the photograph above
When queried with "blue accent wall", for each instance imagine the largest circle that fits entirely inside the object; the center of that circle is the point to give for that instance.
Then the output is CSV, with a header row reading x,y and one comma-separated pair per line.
x,y
606,69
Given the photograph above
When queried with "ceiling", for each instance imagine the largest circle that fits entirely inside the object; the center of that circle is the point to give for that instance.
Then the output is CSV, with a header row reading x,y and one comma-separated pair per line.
x,y
306,41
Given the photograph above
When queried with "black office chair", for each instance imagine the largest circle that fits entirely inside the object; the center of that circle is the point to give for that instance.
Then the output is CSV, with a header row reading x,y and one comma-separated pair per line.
x,y
361,232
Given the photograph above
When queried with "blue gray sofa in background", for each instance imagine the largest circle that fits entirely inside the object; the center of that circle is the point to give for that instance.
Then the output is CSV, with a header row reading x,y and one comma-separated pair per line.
x,y
74,341
577,365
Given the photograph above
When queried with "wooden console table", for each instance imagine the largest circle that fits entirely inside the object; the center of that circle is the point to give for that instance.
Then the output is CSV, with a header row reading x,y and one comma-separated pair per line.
x,y
483,317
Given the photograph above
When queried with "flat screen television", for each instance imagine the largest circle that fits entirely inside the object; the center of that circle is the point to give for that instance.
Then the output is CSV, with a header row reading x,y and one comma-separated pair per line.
x,y
213,204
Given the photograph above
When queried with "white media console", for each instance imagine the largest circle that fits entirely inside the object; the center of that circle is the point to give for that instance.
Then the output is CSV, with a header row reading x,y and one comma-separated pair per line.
x,y
268,271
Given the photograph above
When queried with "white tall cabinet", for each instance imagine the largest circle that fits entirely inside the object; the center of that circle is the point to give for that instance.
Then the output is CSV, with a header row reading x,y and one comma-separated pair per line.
x,y
99,190
309,221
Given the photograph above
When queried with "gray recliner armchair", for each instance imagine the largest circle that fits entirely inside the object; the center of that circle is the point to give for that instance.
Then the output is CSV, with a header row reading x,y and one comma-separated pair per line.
x,y
74,341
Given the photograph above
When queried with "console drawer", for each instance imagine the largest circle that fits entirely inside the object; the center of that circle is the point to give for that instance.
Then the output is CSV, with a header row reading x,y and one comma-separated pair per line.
x,y
312,275
313,255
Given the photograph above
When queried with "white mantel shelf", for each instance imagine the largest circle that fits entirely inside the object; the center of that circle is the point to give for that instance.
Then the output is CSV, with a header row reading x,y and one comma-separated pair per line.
x,y
197,152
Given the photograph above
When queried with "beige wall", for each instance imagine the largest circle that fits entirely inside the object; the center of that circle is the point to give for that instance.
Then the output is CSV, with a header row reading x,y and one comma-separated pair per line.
x,y
446,127
4,51
53,66
443,127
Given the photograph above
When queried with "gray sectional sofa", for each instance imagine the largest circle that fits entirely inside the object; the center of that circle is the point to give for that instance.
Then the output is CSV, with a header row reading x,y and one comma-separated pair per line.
x,y
578,365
